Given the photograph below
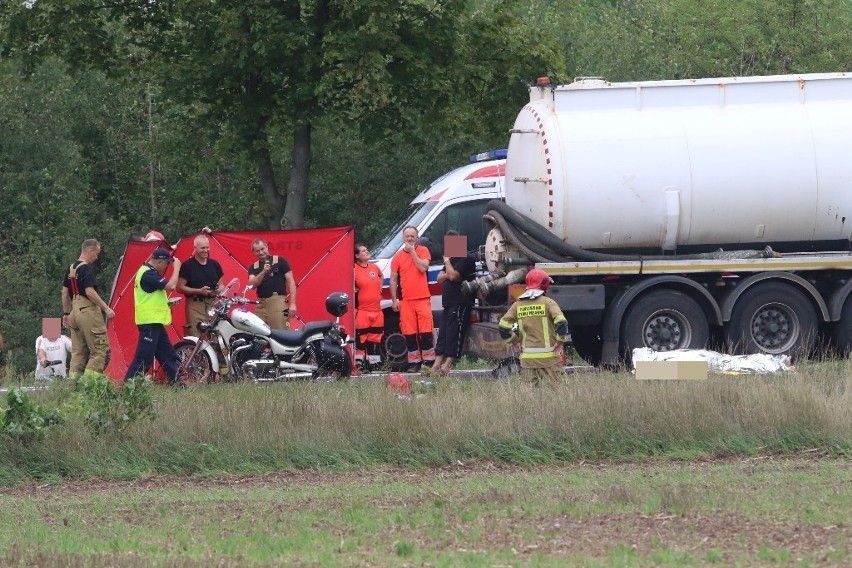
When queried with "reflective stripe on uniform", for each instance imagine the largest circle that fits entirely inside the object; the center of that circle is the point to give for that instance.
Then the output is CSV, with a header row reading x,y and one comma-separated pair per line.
x,y
549,354
151,307
538,349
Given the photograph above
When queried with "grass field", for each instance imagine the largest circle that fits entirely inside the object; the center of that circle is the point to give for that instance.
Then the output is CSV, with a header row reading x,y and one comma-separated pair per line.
x,y
601,471
760,511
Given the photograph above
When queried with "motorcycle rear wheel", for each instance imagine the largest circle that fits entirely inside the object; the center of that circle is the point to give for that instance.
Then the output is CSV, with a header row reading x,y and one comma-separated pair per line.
x,y
323,373
199,370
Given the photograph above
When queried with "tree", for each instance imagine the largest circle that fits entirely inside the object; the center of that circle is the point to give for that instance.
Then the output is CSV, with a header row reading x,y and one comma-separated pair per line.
x,y
260,65
632,40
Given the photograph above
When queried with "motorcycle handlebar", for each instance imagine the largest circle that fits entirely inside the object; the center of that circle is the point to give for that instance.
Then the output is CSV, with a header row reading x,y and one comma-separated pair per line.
x,y
242,300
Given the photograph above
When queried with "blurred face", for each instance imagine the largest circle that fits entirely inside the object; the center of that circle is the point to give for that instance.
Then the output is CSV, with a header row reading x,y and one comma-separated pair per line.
x,y
410,236
201,249
160,265
261,250
363,255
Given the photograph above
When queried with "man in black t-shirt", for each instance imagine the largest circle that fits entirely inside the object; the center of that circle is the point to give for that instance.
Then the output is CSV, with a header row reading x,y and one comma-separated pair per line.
x,y
83,312
276,287
455,319
200,280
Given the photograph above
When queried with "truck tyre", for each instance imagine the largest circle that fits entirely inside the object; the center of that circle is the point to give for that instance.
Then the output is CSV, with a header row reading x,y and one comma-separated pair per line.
x,y
664,320
586,341
842,330
773,318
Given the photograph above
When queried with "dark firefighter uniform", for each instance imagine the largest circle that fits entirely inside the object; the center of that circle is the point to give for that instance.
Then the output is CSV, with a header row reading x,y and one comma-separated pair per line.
x,y
271,293
89,343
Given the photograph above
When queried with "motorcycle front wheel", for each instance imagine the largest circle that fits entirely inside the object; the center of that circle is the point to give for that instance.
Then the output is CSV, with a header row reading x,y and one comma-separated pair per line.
x,y
195,371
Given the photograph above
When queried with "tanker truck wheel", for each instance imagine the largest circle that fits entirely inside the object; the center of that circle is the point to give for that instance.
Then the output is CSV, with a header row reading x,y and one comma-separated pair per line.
x,y
773,318
842,330
586,341
664,320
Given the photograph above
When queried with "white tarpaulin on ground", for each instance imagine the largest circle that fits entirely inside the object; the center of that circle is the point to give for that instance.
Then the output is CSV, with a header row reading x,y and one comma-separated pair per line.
x,y
719,362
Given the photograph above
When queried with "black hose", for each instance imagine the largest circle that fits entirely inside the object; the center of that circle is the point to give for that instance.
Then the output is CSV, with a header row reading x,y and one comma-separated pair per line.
x,y
541,241
519,240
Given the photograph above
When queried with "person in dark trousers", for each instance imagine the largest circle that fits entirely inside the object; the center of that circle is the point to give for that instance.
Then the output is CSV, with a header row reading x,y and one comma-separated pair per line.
x,y
153,314
455,320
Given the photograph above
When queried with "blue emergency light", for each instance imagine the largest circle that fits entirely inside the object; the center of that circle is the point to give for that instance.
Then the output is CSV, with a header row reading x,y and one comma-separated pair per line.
x,y
499,154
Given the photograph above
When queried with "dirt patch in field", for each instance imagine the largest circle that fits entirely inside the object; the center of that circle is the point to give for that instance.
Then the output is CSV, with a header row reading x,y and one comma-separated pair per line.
x,y
458,470
713,538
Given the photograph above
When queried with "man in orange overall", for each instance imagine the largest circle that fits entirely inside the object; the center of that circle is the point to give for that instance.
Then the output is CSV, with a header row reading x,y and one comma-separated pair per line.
x,y
409,288
369,319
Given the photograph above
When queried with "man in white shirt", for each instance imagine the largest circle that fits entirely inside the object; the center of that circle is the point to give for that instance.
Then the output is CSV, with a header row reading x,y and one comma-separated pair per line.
x,y
52,350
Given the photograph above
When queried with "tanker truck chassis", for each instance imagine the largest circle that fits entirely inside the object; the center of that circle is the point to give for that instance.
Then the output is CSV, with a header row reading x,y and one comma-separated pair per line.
x,y
782,304
772,305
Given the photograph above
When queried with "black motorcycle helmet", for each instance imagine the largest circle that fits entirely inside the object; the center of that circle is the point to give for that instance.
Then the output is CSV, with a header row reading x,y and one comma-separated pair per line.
x,y
337,303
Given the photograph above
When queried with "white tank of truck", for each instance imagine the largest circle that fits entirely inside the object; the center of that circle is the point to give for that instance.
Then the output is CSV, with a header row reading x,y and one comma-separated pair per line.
x,y
687,165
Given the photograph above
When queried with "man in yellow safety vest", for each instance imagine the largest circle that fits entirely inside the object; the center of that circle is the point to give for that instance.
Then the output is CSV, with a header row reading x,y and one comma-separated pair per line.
x,y
153,314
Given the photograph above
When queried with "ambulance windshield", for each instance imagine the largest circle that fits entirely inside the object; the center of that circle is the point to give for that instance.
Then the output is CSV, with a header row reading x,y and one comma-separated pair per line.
x,y
393,241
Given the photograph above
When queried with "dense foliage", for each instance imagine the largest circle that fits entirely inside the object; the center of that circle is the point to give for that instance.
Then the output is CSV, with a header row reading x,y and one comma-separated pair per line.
x,y
131,115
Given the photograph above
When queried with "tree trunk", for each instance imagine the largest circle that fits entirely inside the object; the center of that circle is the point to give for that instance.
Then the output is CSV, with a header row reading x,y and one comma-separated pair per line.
x,y
274,200
297,189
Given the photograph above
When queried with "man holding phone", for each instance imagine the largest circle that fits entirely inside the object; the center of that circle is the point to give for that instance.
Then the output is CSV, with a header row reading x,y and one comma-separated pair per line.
x,y
200,280
275,284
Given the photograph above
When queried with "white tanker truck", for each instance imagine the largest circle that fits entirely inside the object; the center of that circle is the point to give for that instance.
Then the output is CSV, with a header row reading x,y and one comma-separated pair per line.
x,y
677,214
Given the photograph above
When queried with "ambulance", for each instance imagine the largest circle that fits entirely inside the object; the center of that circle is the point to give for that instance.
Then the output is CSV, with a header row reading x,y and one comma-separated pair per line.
x,y
455,201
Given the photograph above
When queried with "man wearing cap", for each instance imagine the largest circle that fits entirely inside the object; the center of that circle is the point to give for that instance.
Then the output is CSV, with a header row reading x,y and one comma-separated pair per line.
x,y
200,280
538,324
153,314
83,312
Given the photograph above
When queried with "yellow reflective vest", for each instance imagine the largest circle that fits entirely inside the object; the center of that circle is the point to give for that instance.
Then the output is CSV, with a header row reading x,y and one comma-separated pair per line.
x,y
151,307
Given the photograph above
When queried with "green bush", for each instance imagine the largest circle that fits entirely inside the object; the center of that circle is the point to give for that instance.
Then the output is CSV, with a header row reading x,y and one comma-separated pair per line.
x,y
105,408
26,420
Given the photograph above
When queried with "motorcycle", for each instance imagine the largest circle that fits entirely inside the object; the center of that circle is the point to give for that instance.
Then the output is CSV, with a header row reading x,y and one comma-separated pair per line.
x,y
239,342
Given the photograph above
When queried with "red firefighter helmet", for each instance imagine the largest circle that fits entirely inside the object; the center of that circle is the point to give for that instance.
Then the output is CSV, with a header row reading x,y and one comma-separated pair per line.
x,y
537,279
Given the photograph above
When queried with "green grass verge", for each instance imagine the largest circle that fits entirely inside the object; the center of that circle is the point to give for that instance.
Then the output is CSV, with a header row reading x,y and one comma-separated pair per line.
x,y
258,428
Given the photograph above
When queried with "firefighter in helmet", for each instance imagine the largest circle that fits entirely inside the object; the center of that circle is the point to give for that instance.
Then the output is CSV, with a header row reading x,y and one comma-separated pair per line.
x,y
537,323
